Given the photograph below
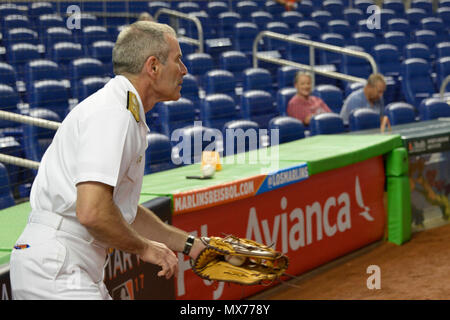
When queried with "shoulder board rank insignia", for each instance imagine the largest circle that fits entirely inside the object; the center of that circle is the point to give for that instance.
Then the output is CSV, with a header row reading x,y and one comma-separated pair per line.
x,y
133,105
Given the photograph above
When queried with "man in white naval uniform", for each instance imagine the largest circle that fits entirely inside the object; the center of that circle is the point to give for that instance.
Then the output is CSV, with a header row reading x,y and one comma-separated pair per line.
x,y
84,199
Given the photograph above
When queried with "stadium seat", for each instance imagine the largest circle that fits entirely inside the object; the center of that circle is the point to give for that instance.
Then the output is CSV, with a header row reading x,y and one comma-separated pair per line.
x,y
16,21
16,175
401,25
433,108
443,49
418,50
89,85
362,119
64,52
326,123
235,62
442,71
6,197
9,100
291,18
284,95
220,81
364,5
207,26
244,34
321,17
385,16
437,25
84,20
395,5
329,57
387,59
335,7
353,86
365,40
115,7
331,95
400,113
417,83
154,6
275,44
258,106
397,39
305,7
175,115
9,9
289,129
41,69
245,9
102,50
214,8
257,79
20,35
83,68
217,109
195,139
414,16
227,21
158,155
47,21
20,54
54,35
425,5
274,8
444,14
92,34
38,9
310,28
261,19
352,16
189,89
37,139
443,3
286,76
49,94
341,27
240,136
297,52
428,38
355,66
198,65
8,75
188,7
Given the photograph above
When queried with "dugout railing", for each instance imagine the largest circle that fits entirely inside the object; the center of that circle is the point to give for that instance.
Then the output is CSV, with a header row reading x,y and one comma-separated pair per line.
x,y
263,56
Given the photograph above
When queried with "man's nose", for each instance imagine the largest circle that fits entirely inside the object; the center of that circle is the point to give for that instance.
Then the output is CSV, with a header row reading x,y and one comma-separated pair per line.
x,y
184,70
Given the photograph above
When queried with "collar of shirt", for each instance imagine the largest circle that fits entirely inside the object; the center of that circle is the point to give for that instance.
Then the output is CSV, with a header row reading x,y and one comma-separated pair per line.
x,y
128,86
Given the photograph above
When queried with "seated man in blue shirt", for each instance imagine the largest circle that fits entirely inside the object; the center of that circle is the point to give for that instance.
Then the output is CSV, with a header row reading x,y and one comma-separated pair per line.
x,y
370,96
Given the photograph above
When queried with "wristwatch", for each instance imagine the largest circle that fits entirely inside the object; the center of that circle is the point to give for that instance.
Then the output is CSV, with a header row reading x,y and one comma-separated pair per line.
x,y
188,245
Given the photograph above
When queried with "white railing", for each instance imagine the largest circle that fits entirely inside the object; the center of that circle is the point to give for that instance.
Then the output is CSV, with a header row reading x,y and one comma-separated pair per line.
x,y
444,85
311,67
11,116
198,42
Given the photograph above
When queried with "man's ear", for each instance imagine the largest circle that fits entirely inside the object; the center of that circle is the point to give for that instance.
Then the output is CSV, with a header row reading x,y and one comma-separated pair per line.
x,y
152,66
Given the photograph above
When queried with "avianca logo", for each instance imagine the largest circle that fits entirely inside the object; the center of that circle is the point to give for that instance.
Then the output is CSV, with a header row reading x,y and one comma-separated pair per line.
x,y
360,201
299,227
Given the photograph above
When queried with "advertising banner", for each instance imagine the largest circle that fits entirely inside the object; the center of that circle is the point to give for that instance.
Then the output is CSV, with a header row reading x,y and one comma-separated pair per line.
x,y
313,221
429,177
129,278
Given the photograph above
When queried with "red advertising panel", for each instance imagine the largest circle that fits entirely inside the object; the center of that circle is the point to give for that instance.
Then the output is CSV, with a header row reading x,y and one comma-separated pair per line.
x,y
313,222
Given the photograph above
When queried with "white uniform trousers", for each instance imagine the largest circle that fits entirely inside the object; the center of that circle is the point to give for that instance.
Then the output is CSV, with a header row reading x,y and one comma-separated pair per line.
x,y
63,261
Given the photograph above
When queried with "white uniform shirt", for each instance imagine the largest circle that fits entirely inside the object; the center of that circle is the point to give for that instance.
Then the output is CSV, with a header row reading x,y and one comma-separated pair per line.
x,y
99,140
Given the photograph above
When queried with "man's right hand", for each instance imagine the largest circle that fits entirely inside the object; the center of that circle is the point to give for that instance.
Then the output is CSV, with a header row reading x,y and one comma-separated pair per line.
x,y
159,254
